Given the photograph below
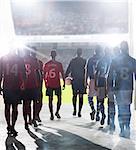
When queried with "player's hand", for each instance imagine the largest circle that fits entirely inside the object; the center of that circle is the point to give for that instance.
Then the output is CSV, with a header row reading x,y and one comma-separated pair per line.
x,y
1,91
63,87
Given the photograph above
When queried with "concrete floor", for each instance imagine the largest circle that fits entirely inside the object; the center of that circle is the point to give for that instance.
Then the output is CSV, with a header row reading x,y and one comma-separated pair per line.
x,y
69,133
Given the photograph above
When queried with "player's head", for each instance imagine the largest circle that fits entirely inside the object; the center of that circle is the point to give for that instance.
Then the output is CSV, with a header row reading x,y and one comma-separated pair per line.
x,y
53,54
33,51
79,52
98,50
124,47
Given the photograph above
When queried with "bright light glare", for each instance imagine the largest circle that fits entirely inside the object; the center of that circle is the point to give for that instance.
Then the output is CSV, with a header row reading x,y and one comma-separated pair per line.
x,y
25,2
4,48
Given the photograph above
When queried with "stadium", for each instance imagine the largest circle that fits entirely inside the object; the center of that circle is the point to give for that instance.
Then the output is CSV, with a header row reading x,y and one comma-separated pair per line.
x,y
64,26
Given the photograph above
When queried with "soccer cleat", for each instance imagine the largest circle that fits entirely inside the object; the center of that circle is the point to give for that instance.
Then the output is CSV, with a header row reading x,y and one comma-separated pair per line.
x,y
79,115
57,115
52,117
34,123
103,119
74,113
26,126
92,115
97,117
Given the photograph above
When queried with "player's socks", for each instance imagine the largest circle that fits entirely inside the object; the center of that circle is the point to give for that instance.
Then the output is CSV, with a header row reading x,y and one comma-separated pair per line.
x,y
92,114
97,117
103,119
122,131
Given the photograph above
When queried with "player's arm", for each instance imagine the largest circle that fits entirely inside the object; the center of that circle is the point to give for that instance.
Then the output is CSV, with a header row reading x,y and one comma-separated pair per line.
x,y
63,75
86,73
68,71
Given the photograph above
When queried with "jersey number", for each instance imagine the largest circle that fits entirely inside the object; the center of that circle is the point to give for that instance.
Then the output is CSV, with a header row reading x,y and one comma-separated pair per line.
x,y
124,73
28,69
13,69
52,73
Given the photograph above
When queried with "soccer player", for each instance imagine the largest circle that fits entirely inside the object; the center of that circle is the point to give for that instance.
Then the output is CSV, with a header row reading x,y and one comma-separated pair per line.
x,y
52,70
77,70
110,90
125,68
90,73
12,71
31,91
40,83
101,84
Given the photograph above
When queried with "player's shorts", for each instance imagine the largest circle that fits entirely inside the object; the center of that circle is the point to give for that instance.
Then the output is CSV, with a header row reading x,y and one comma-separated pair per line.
x,y
101,93
31,94
49,91
11,96
92,92
124,97
78,87
111,96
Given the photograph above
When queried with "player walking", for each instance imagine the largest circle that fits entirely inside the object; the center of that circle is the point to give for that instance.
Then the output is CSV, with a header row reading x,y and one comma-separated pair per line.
x,y
52,70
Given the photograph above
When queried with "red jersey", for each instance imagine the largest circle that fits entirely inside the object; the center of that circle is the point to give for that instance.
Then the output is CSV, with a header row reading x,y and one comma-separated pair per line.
x,y
12,71
52,70
32,66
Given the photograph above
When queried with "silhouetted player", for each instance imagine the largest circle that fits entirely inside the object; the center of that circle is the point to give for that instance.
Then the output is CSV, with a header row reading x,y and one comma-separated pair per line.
x,y
12,71
77,70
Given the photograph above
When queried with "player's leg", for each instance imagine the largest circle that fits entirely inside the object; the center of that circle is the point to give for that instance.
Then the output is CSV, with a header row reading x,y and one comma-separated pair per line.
x,y
111,110
111,115
121,111
91,94
80,104
49,93
127,118
26,112
7,117
14,118
39,107
98,110
74,98
102,109
58,93
51,107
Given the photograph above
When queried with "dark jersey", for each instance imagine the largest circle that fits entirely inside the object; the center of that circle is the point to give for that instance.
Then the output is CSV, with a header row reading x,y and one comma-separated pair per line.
x,y
102,71
91,66
32,66
125,68
12,71
77,68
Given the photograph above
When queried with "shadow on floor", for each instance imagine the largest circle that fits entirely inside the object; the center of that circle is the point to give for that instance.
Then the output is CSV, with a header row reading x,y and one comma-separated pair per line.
x,y
12,143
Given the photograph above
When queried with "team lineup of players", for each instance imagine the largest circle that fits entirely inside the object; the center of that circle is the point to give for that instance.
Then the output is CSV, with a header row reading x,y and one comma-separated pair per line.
x,y
103,75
